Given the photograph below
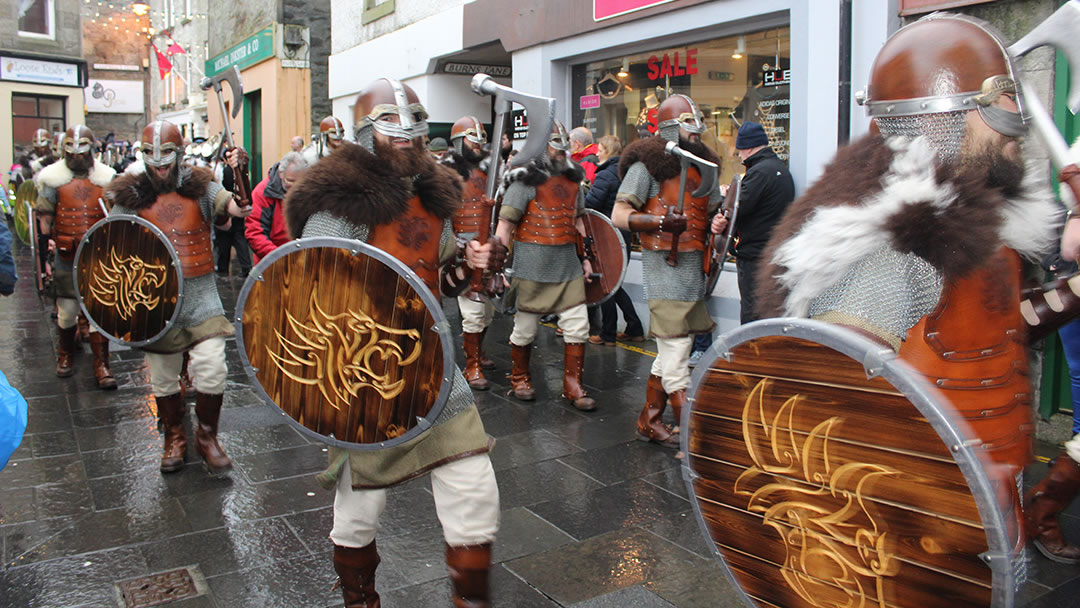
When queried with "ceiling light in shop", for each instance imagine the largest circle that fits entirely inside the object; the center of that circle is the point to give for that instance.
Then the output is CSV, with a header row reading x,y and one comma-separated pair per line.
x,y
740,48
624,71
140,8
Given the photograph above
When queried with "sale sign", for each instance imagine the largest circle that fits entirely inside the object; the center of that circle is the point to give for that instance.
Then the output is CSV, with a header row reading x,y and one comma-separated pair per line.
x,y
587,102
606,9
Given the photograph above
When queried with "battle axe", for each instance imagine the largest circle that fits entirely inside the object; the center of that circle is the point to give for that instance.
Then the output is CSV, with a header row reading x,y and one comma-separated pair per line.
x,y
1060,30
232,76
708,172
541,114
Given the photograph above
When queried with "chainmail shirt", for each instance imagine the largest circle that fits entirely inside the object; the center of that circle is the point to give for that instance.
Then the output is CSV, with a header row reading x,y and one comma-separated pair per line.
x,y
201,298
889,291
542,263
324,223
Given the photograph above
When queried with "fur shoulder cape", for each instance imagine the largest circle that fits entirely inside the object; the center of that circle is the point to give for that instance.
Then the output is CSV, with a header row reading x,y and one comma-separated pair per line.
x,y
135,191
540,169
58,174
357,186
877,192
661,165
458,163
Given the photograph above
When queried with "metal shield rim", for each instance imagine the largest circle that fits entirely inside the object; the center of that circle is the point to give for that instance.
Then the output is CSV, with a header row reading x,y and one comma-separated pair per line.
x,y
28,213
32,227
625,257
135,219
442,327
881,361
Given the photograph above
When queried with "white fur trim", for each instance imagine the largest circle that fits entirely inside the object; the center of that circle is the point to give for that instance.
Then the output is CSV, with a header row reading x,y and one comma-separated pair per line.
x,y
834,238
135,168
58,174
101,174
1032,221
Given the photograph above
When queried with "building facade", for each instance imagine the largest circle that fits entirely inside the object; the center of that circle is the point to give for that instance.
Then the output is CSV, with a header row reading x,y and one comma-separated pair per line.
x,y
178,97
280,48
115,46
42,73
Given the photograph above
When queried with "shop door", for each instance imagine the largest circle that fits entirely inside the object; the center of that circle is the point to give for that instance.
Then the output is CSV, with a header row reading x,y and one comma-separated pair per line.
x,y
253,133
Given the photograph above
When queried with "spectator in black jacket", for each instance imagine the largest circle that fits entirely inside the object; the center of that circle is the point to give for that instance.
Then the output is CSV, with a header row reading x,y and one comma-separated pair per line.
x,y
601,197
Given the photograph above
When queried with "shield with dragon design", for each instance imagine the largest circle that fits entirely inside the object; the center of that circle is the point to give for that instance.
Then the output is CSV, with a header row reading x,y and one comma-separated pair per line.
x,y
128,279
826,473
347,341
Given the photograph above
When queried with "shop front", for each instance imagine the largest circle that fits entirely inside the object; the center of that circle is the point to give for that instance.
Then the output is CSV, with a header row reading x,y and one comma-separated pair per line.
x,y
37,93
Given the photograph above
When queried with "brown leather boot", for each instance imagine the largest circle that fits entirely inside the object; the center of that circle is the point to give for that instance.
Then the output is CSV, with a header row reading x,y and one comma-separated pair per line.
x,y
473,371
484,361
650,426
573,366
469,566
171,410
99,345
208,408
83,335
1045,501
356,573
520,380
677,400
65,349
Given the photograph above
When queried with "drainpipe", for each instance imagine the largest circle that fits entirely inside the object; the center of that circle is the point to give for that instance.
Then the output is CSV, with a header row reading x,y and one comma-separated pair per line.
x,y
843,116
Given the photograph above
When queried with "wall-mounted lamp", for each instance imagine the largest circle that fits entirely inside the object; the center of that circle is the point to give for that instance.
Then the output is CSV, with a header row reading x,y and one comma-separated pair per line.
x,y
740,48
624,71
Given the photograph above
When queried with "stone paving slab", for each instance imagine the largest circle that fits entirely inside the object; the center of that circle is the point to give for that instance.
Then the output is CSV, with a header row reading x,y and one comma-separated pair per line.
x,y
591,517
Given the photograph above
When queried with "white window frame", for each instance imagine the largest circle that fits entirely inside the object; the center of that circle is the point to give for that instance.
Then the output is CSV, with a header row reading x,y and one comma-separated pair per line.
x,y
50,19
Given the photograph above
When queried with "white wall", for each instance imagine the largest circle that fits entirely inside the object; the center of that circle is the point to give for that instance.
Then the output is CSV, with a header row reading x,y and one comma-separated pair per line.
x,y
347,30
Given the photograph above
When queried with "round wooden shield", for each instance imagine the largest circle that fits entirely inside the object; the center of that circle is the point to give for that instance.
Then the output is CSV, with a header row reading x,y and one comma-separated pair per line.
x,y
128,279
347,341
25,200
722,242
826,472
610,258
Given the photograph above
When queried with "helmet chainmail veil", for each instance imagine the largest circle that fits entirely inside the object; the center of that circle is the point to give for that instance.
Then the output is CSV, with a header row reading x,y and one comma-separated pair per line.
x,y
944,130
670,133
457,143
363,134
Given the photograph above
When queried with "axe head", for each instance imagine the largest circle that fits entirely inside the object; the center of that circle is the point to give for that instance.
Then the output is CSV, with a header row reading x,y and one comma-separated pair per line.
x,y
708,170
540,110
231,76
1061,30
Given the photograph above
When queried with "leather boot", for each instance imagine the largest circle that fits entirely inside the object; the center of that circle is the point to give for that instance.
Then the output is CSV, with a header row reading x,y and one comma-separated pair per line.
x,y
573,366
677,400
171,410
356,574
1045,501
469,566
520,380
99,345
650,426
208,408
83,335
65,349
474,372
484,361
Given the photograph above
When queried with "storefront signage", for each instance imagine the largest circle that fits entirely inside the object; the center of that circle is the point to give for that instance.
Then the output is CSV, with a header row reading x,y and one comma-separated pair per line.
x,y
256,48
586,102
721,75
519,121
606,9
671,64
468,69
114,96
39,71
116,67
912,7
774,78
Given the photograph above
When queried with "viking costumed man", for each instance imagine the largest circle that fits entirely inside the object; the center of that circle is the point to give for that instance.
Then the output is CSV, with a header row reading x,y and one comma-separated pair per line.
x,y
69,203
183,201
676,294
331,135
914,235
41,155
466,156
387,191
541,211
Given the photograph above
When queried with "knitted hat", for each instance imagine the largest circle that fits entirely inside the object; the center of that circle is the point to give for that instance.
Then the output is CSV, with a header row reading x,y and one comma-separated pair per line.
x,y
437,145
751,135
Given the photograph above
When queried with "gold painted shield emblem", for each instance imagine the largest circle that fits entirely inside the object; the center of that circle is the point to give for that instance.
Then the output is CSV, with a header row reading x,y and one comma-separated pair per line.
x,y
346,340
822,487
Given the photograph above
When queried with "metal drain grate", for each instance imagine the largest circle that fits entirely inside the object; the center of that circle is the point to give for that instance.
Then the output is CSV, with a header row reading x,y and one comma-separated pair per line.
x,y
158,589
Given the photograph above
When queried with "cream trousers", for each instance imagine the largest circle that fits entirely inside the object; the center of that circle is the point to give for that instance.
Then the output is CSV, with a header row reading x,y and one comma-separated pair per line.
x,y
573,321
206,364
475,316
466,502
67,313
672,362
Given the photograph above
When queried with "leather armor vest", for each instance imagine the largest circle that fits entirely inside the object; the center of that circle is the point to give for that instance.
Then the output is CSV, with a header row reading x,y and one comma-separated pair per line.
x,y
473,212
972,347
549,218
77,209
182,221
413,238
695,209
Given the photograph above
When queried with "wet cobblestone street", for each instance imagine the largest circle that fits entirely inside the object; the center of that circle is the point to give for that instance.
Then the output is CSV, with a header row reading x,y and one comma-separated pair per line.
x,y
590,517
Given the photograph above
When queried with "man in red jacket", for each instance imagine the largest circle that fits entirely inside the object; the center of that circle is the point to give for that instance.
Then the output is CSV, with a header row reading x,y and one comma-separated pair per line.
x,y
265,228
